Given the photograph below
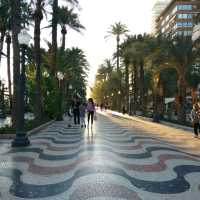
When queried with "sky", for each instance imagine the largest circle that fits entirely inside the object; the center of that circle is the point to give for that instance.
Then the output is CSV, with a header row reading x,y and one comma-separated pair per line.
x,y
97,16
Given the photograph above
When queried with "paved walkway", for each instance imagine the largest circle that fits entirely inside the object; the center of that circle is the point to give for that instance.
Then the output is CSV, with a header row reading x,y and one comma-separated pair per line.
x,y
116,159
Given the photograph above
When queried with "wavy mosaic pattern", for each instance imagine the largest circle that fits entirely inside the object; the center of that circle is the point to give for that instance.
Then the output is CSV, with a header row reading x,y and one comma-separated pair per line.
x,y
105,162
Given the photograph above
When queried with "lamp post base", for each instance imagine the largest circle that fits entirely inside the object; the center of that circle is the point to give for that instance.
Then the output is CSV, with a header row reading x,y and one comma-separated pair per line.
x,y
21,141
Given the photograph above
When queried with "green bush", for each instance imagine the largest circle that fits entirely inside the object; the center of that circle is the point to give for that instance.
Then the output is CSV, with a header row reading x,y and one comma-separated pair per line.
x,y
29,125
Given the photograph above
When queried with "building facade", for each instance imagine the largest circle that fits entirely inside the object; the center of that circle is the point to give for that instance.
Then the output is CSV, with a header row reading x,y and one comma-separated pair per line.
x,y
196,32
158,7
177,19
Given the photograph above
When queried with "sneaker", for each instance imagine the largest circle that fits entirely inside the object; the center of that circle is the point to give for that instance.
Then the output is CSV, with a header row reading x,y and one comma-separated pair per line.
x,y
196,136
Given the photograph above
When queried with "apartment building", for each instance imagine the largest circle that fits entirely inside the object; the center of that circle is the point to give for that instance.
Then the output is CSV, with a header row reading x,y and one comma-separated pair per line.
x,y
196,32
177,19
158,7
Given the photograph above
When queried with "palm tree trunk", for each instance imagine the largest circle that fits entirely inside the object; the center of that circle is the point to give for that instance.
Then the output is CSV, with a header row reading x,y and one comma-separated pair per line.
x,y
182,99
142,99
15,27
1,43
8,41
127,85
54,35
194,95
63,32
155,105
135,88
161,104
118,39
38,97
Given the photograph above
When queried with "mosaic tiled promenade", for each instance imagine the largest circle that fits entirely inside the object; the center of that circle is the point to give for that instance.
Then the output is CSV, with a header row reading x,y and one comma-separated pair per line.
x,y
116,159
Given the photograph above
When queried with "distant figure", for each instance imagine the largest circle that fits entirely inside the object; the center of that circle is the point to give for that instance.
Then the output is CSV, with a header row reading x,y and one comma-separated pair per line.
x,y
90,110
101,106
82,114
70,115
76,111
195,117
124,110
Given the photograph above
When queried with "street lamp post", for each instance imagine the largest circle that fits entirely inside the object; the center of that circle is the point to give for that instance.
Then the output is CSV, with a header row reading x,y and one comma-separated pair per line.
x,y
119,100
60,77
21,138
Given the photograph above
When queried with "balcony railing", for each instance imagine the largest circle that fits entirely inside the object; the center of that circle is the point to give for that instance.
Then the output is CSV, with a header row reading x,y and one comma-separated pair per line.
x,y
196,32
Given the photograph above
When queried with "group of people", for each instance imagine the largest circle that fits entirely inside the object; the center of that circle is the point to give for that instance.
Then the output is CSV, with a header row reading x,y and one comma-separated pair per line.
x,y
195,117
79,109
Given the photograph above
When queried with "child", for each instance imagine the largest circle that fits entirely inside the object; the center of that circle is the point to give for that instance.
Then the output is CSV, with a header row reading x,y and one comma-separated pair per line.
x,y
82,114
70,115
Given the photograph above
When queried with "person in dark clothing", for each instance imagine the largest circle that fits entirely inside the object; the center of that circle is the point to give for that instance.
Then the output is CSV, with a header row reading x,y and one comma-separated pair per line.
x,y
90,110
124,110
195,117
76,111
101,106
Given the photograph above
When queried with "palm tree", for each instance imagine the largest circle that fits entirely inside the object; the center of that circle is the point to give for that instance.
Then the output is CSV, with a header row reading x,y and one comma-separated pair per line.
x,y
157,58
4,22
135,47
193,79
68,19
54,31
133,53
38,16
182,57
126,54
117,30
8,41
54,35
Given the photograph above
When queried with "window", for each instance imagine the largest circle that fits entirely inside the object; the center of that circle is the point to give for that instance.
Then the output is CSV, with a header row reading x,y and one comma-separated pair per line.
x,y
187,33
184,16
184,7
189,24
184,24
179,24
179,33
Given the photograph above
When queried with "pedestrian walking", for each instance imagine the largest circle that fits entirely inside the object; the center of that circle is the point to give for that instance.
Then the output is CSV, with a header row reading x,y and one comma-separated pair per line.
x,y
82,114
90,110
123,110
101,106
76,111
195,117
70,116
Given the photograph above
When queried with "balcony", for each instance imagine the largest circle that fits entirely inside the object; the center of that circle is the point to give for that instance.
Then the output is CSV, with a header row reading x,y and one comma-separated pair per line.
x,y
196,32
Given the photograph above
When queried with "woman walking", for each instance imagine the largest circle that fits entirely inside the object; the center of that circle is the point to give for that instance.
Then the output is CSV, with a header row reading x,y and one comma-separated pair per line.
x,y
195,119
90,110
76,111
